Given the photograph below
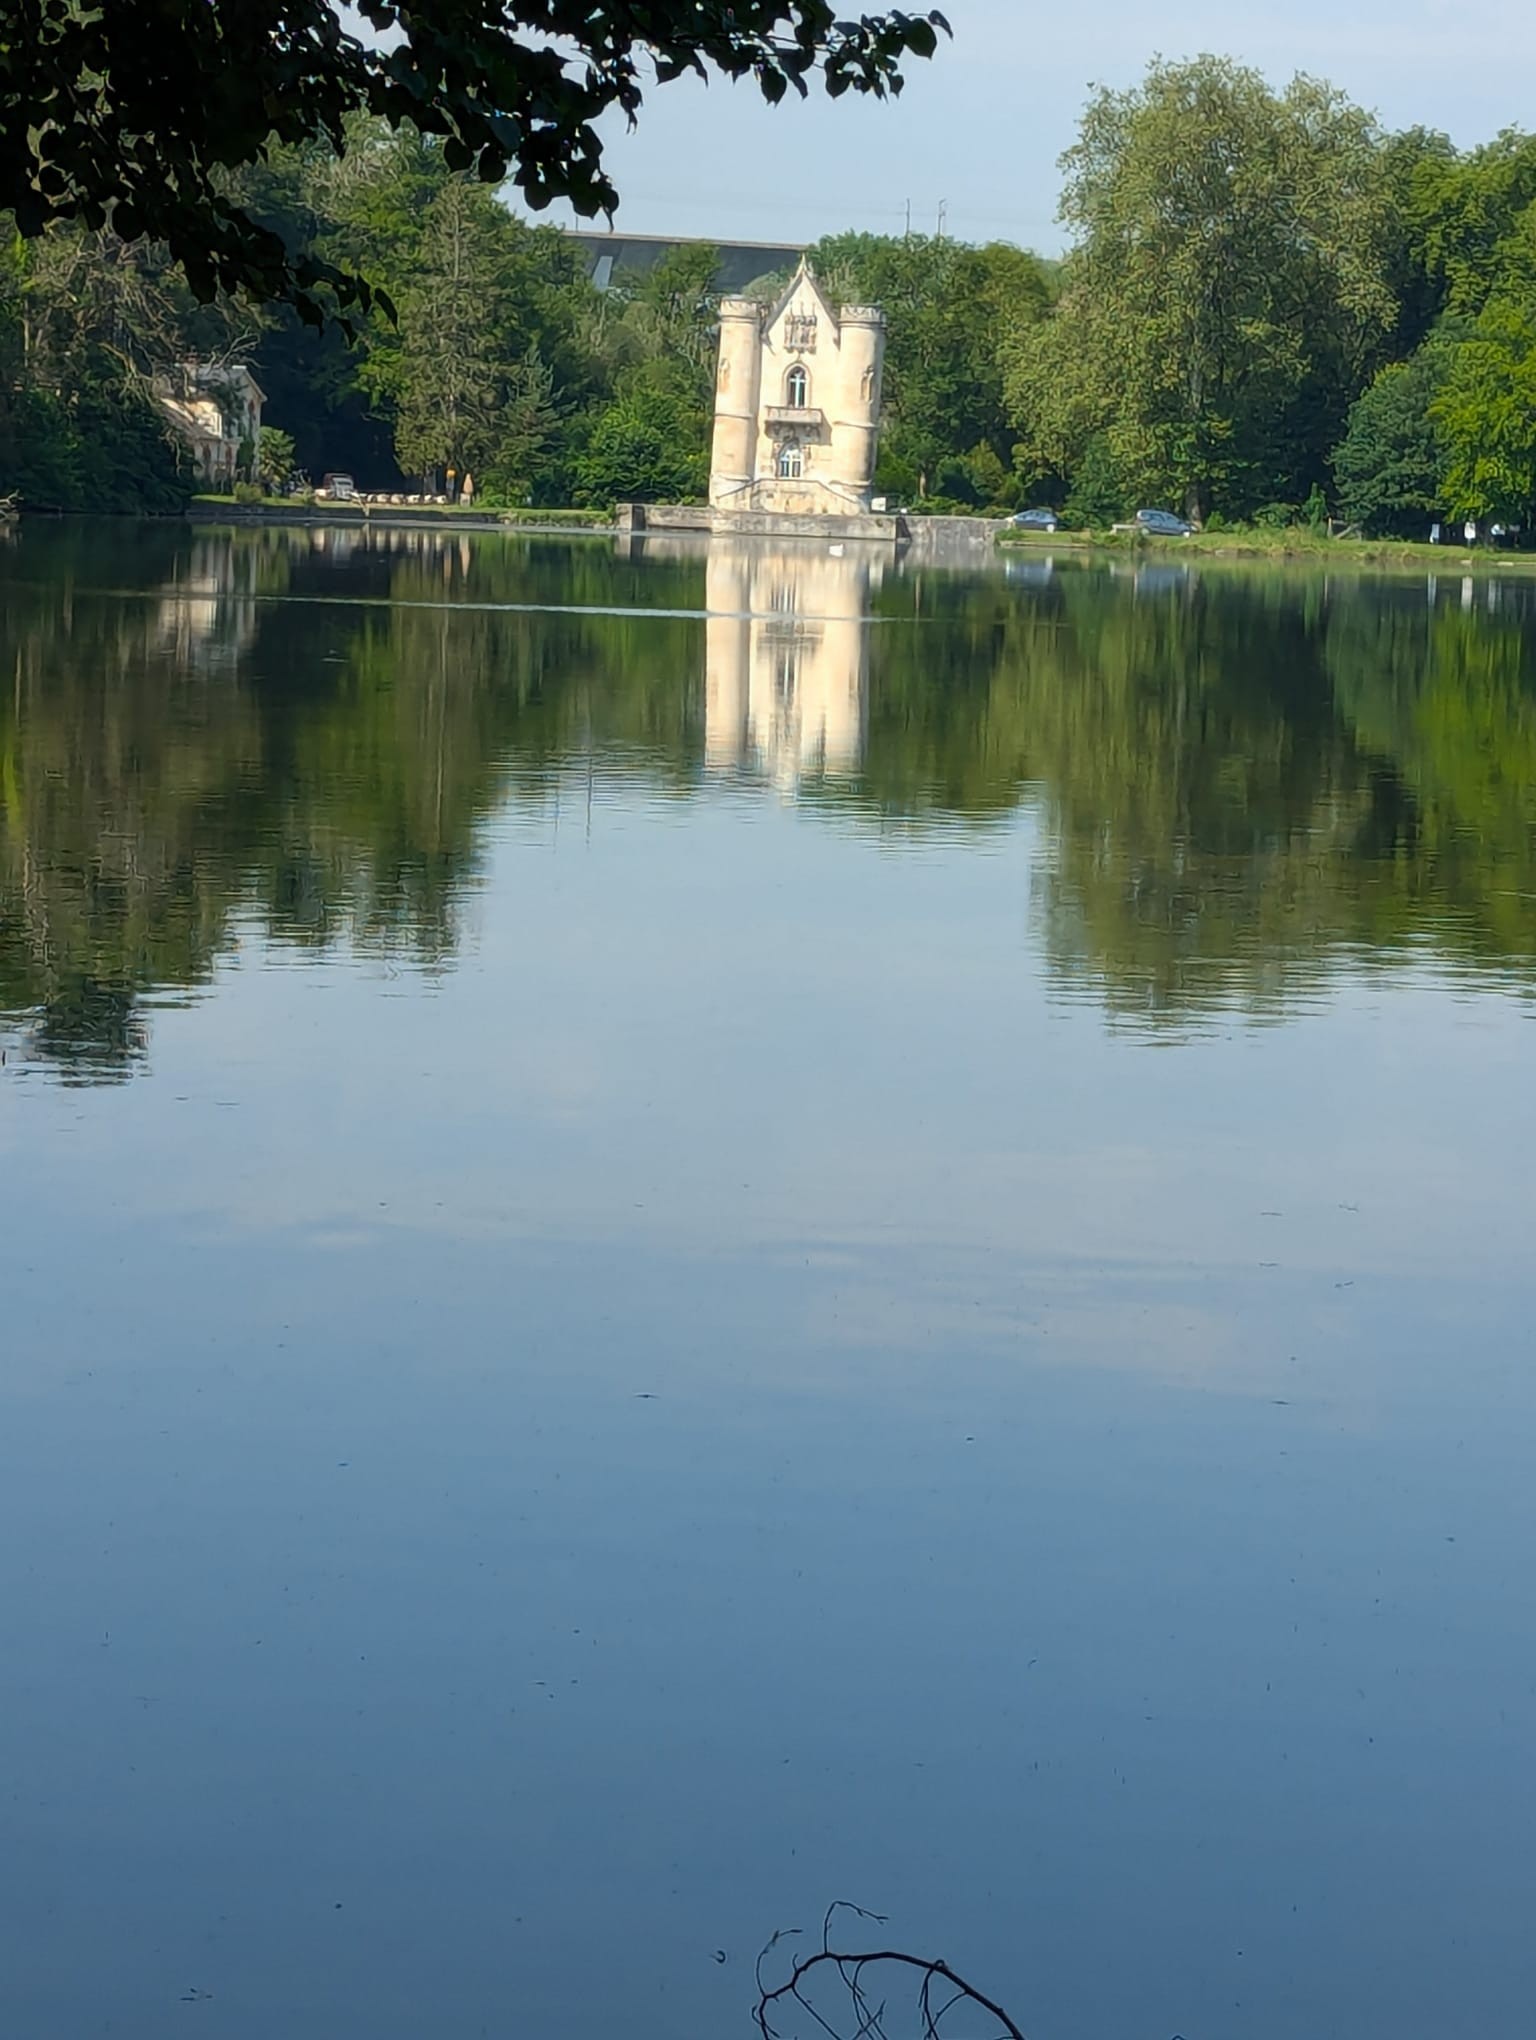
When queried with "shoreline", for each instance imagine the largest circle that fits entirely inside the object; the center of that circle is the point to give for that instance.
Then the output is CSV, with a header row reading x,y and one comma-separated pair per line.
x,y
1214,549
432,517
1237,548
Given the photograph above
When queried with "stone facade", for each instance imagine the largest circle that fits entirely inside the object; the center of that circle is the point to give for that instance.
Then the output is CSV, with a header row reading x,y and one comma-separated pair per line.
x,y
215,410
797,404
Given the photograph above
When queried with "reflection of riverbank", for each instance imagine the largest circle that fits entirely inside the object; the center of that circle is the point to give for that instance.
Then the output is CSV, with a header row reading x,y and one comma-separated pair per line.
x,y
1240,785
1287,550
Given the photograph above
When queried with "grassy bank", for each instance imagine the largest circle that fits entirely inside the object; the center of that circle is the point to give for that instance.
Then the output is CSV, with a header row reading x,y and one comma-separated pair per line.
x,y
1300,547
310,509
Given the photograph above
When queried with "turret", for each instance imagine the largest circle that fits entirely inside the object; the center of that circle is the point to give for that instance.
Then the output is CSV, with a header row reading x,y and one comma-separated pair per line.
x,y
856,429
733,460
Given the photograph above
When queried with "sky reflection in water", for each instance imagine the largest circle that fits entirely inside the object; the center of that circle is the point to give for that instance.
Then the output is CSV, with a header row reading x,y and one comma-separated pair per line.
x,y
660,1267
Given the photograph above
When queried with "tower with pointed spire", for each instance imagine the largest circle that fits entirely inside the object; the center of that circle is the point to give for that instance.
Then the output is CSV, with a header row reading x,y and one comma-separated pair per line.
x,y
797,403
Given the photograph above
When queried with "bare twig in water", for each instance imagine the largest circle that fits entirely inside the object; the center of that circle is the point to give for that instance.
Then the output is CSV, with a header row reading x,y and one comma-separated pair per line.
x,y
868,1978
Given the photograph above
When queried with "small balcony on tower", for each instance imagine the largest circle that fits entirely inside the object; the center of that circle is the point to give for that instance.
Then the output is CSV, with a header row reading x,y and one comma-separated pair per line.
x,y
804,415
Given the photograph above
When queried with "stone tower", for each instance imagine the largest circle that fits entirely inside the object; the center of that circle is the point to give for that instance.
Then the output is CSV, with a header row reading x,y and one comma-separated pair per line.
x,y
856,433
797,403
737,378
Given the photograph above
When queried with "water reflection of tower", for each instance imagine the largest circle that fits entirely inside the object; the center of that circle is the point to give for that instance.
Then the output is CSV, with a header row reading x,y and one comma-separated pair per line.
x,y
787,658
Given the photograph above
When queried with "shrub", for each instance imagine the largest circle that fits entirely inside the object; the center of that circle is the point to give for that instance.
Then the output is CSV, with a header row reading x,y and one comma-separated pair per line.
x,y
954,482
1098,494
278,462
895,479
647,447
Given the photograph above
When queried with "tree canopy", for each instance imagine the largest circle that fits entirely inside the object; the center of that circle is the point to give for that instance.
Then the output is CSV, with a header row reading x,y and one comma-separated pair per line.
x,y
497,355
132,114
1390,461
1229,278
1272,309
952,311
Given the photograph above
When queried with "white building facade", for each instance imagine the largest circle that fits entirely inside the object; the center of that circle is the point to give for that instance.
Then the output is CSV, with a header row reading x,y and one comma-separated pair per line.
x,y
797,404
215,410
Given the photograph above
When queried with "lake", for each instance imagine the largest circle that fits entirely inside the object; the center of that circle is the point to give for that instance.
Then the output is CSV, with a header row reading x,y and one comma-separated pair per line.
x,y
683,1236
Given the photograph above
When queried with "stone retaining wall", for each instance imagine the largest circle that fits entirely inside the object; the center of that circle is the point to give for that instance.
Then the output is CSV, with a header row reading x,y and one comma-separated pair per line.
x,y
639,518
952,537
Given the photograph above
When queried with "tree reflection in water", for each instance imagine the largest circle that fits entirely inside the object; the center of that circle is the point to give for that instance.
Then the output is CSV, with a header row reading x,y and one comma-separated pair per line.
x,y
1242,783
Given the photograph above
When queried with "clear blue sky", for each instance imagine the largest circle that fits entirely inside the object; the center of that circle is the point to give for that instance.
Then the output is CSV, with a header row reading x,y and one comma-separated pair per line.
x,y
983,124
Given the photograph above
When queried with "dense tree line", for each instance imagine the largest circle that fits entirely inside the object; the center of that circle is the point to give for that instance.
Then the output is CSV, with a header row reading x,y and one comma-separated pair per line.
x,y
1274,307
1273,310
487,350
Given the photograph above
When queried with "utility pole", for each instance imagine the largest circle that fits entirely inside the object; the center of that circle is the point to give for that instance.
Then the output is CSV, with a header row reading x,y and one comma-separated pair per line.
x,y
943,215
909,219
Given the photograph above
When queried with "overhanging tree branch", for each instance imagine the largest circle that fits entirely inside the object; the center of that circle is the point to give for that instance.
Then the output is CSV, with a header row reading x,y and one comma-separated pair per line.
x,y
924,1979
133,113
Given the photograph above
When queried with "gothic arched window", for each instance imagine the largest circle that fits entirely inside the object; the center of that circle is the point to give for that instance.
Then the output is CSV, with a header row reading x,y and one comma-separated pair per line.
x,y
798,389
791,463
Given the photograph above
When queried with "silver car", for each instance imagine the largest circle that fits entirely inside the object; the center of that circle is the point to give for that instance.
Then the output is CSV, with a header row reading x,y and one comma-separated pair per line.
x,y
1163,524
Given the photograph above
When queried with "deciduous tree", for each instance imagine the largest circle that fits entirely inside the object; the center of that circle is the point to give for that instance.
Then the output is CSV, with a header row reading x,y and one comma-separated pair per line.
x,y
648,446
1228,288
1389,464
952,313
1486,415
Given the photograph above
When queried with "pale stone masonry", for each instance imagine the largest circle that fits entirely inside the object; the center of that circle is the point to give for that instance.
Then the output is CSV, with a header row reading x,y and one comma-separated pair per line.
x,y
215,410
797,404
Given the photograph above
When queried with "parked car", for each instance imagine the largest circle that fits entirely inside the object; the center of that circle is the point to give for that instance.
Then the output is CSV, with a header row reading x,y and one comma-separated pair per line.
x,y
1163,524
340,488
1035,520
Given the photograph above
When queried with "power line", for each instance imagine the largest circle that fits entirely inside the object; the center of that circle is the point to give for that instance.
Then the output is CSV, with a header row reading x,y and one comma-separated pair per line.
x,y
954,220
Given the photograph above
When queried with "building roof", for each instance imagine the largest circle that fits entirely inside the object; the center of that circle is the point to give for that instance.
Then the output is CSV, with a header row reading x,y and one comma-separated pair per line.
x,y
610,257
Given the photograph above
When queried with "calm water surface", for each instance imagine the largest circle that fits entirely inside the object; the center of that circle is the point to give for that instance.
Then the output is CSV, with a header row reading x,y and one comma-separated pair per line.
x,y
685,1236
